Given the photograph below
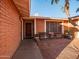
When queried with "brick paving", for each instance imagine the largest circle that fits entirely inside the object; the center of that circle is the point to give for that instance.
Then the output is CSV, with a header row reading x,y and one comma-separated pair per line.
x,y
59,49
48,49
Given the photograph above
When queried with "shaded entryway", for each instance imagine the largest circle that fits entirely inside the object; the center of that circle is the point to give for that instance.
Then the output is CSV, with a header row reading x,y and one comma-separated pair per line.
x,y
28,29
28,50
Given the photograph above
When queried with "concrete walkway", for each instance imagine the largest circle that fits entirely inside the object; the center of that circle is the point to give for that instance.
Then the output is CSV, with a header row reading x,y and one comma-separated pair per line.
x,y
28,50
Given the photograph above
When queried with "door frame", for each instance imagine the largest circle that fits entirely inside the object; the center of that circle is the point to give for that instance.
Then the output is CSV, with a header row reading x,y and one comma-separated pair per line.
x,y
24,27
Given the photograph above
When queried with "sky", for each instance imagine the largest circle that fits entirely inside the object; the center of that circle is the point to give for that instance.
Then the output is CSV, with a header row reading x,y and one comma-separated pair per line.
x,y
44,8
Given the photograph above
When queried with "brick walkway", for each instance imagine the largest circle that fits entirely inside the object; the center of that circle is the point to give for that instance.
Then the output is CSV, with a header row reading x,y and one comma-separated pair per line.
x,y
49,49
28,50
59,49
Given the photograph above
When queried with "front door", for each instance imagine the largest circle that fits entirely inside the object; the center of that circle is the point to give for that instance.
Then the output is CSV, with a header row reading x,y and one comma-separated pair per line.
x,y
28,30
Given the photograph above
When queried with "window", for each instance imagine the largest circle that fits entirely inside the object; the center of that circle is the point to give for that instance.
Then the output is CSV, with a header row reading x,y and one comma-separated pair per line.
x,y
55,27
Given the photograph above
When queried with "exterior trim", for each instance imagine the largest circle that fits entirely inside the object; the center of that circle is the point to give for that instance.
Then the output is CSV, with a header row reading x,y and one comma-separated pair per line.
x,y
45,25
22,30
62,28
35,26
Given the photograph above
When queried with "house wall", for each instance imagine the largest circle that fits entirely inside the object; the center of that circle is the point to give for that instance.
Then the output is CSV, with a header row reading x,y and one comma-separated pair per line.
x,y
28,6
65,27
23,6
10,29
39,25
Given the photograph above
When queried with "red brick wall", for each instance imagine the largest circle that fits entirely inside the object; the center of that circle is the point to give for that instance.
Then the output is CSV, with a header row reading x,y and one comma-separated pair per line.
x,y
28,7
39,25
10,29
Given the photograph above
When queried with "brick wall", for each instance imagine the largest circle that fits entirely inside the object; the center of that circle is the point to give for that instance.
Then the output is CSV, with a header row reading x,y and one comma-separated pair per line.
x,y
10,29
39,25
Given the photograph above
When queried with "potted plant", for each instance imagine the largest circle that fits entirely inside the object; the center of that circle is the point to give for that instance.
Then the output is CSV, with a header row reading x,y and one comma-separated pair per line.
x,y
68,34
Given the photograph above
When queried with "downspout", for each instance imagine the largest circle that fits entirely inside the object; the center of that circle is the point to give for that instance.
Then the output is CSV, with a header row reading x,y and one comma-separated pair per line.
x,y
21,20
